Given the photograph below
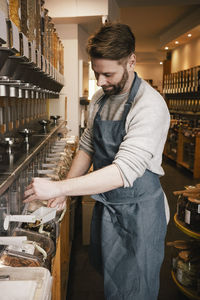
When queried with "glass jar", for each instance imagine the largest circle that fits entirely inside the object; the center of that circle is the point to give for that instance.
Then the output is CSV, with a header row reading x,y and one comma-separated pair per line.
x,y
44,242
187,270
49,229
192,214
181,205
31,14
14,7
177,247
24,17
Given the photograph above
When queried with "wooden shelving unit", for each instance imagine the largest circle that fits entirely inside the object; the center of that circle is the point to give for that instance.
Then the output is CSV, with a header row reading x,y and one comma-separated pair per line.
x,y
181,91
179,158
61,261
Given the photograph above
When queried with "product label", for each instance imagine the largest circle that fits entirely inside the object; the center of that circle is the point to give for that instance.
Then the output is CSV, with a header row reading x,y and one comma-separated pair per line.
x,y
25,46
16,44
43,63
174,263
33,54
179,275
26,248
38,59
177,208
3,32
187,216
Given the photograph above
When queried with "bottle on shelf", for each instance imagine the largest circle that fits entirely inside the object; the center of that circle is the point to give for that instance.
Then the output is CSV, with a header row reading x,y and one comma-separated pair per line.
x,y
192,214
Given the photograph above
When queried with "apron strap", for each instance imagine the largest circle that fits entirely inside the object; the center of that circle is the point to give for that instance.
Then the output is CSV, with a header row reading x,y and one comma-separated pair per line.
x,y
101,198
134,89
101,103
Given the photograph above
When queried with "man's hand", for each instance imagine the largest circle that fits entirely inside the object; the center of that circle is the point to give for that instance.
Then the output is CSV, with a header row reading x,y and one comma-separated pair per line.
x,y
59,202
41,189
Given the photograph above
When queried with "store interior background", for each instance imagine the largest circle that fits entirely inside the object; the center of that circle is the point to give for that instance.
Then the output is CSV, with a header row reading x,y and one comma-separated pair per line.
x,y
156,24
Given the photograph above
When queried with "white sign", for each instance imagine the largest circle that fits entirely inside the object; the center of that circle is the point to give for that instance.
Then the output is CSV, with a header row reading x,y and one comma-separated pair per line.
x,y
3,32
15,33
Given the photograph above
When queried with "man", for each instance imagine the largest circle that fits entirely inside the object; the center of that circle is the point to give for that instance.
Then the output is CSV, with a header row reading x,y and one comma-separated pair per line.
x,y
127,130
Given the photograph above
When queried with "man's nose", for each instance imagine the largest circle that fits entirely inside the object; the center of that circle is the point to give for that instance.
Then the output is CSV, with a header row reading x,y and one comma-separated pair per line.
x,y
101,80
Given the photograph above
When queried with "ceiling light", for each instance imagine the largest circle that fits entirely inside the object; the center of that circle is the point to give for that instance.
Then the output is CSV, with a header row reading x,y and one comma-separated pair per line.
x,y
166,48
189,35
176,42
161,62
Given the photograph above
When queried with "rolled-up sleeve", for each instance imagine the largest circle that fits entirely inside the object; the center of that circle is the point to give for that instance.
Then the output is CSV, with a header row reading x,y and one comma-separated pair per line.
x,y
86,143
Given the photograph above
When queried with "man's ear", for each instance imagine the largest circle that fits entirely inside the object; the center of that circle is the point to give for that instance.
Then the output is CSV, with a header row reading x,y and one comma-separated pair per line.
x,y
131,61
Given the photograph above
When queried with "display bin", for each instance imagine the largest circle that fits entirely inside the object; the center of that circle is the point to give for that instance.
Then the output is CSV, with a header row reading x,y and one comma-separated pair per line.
x,y
25,283
87,210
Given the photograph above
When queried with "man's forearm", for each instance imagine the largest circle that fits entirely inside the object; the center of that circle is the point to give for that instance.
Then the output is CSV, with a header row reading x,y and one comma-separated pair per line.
x,y
96,182
80,164
100,181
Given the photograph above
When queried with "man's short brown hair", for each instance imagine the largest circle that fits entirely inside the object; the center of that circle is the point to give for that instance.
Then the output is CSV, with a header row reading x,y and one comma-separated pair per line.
x,y
113,41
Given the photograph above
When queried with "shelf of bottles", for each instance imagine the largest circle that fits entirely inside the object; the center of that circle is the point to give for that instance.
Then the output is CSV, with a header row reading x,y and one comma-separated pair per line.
x,y
182,93
31,63
31,52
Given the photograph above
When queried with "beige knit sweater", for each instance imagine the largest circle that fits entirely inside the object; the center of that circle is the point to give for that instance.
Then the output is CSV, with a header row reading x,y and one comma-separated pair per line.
x,y
146,128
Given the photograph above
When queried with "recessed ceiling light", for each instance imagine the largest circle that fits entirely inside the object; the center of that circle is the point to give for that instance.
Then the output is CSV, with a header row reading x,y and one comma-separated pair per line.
x,y
176,42
166,48
189,35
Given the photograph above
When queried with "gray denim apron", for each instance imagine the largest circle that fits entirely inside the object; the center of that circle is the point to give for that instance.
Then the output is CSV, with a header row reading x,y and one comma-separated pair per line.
x,y
129,224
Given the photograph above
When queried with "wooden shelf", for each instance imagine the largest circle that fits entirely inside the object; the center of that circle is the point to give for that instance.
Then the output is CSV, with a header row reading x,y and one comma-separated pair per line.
x,y
186,291
61,261
180,153
189,113
185,165
170,156
187,231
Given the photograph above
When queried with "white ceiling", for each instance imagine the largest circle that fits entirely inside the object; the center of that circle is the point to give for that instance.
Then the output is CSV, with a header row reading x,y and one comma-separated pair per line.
x,y
155,23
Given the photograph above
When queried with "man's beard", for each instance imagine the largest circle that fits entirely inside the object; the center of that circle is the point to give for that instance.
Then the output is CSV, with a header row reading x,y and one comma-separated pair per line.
x,y
116,88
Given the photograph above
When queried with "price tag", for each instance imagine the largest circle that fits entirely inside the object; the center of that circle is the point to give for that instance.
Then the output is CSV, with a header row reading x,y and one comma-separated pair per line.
x,y
25,248
47,67
43,63
187,216
25,46
39,59
179,275
50,69
3,32
33,54
177,209
12,240
16,43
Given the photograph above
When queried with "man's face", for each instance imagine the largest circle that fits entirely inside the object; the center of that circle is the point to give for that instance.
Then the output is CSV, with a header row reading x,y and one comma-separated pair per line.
x,y
110,75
